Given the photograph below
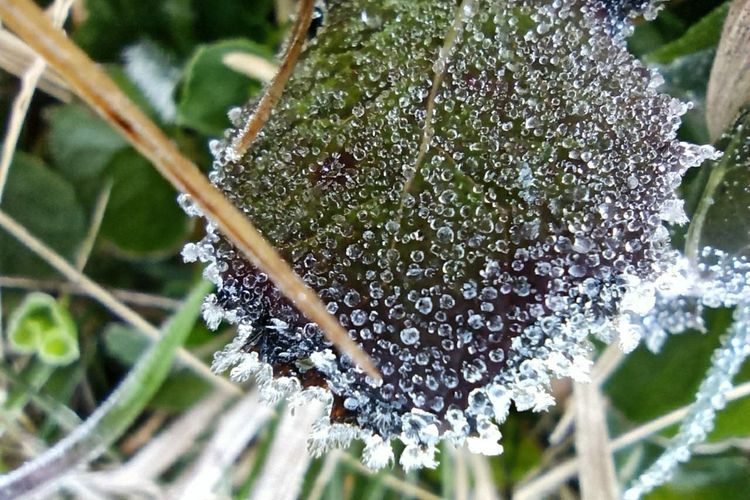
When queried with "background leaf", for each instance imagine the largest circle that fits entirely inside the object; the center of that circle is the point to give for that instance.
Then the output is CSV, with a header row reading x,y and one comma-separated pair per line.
x,y
139,193
47,205
80,143
700,36
209,88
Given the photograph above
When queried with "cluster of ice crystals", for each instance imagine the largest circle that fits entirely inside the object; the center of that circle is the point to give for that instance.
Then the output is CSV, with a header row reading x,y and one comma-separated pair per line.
x,y
473,190
726,362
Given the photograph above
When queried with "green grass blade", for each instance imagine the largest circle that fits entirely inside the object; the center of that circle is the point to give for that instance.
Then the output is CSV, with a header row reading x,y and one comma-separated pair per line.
x,y
117,413
702,35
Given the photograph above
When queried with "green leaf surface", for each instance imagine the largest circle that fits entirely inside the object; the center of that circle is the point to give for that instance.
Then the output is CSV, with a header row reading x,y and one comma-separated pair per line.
x,y
686,78
80,143
733,421
722,219
209,88
702,35
25,384
112,25
124,343
142,217
46,204
648,385
708,478
216,19
180,391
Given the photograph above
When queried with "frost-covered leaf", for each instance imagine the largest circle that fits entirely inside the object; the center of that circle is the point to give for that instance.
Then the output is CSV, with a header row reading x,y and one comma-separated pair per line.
x,y
473,189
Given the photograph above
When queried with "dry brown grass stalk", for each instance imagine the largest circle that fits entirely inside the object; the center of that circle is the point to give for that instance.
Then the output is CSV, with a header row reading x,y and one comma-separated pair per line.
x,y
729,85
105,298
93,85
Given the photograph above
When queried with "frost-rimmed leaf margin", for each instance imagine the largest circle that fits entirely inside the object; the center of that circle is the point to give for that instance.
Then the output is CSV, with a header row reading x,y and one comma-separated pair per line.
x,y
446,36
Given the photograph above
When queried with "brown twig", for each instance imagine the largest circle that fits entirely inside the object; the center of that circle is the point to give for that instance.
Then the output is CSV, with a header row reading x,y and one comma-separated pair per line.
x,y
93,85
275,89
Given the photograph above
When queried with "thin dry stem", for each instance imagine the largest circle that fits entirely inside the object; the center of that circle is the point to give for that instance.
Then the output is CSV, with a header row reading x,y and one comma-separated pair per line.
x,y
236,429
170,445
29,81
484,486
605,366
93,85
22,101
288,459
251,65
105,298
391,481
97,217
461,474
128,296
553,478
284,10
16,58
276,88
325,474
144,433
597,471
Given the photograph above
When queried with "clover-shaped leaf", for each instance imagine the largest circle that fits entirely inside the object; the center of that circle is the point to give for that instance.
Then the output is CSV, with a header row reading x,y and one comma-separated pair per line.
x,y
41,325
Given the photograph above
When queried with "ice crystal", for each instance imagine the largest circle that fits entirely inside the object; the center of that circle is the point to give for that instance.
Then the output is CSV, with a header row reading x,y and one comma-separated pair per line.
x,y
726,362
473,190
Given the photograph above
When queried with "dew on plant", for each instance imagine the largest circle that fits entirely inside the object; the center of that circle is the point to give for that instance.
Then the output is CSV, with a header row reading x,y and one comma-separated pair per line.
x,y
476,192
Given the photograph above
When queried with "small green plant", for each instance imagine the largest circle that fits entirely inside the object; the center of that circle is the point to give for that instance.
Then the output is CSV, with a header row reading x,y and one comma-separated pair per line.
x,y
43,326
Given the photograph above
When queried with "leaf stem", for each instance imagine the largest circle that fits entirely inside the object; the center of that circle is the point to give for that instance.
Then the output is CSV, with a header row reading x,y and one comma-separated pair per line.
x,y
276,88
693,238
